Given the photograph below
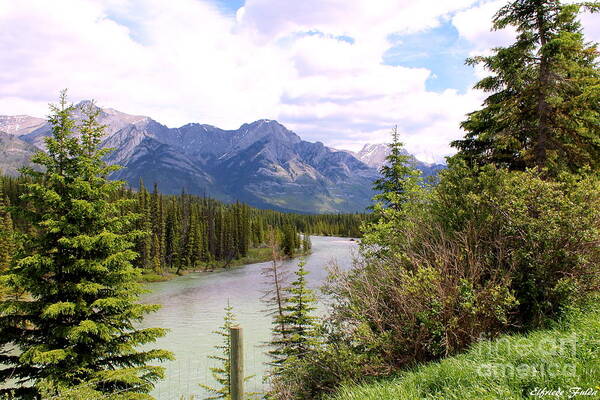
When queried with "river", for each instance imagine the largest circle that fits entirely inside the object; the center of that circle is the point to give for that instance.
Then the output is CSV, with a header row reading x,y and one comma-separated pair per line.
x,y
192,308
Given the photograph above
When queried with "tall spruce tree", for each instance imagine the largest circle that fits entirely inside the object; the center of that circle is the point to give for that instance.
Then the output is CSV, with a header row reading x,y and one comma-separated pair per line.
x,y
7,241
144,242
542,110
290,240
306,243
275,297
398,177
298,314
222,372
79,326
7,238
399,183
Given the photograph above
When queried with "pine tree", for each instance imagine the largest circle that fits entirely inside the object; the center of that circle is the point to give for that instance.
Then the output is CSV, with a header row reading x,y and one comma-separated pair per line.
x,y
222,372
7,239
306,244
172,235
158,229
542,110
290,241
79,325
298,316
198,250
144,241
190,245
156,264
399,183
275,298
398,177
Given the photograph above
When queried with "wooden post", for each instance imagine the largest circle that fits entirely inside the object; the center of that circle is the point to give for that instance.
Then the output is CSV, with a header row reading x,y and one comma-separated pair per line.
x,y
237,363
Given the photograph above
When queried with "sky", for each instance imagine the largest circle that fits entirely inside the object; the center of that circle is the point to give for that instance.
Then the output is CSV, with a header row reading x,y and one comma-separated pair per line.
x,y
342,72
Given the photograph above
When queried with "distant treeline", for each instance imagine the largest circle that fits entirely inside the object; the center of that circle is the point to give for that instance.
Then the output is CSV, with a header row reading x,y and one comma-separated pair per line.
x,y
187,231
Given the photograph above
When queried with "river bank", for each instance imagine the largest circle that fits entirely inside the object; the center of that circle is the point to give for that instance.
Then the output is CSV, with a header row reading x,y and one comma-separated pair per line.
x,y
256,255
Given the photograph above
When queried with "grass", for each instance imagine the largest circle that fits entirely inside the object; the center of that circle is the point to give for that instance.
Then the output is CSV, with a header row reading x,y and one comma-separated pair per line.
x,y
556,360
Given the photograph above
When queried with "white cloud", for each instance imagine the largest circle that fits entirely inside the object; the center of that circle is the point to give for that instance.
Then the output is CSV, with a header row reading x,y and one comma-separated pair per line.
x,y
475,25
185,61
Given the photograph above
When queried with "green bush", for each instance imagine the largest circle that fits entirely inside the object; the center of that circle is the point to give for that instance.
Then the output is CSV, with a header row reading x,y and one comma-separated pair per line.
x,y
543,234
509,368
485,252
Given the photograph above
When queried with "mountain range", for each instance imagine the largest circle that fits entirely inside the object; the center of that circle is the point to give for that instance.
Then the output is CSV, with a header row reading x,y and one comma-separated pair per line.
x,y
262,163
374,155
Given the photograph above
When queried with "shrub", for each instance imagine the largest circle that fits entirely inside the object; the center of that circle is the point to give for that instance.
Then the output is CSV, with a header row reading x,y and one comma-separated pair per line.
x,y
484,252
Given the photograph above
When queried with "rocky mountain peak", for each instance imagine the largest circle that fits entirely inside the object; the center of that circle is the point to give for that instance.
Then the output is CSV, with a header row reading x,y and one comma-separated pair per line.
x,y
373,155
264,129
262,163
19,124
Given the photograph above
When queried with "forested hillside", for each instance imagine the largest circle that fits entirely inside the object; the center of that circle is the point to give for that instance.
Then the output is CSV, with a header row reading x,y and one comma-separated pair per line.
x,y
188,232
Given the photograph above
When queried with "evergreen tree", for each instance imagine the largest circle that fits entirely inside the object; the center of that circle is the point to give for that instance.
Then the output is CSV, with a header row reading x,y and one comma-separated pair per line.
x,y
306,244
543,105
156,264
222,372
172,235
290,241
190,245
399,184
79,325
158,227
7,239
198,250
275,298
298,316
144,241
398,178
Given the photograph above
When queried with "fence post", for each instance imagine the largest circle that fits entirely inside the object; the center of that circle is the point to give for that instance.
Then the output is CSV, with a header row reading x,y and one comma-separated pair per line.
x,y
236,363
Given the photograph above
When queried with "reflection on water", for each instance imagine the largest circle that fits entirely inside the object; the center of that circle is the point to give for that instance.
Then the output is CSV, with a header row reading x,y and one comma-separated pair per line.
x,y
192,308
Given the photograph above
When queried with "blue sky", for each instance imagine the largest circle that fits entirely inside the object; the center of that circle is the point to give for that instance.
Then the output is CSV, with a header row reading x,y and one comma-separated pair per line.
x,y
342,72
441,50
229,6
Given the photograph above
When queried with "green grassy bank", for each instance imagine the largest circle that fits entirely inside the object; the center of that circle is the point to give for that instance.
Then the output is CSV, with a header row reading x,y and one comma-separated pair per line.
x,y
562,362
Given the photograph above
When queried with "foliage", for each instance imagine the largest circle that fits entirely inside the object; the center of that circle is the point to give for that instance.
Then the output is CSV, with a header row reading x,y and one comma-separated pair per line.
x,y
78,323
7,235
543,108
510,367
299,317
306,244
322,369
187,232
222,372
543,233
485,252
491,251
400,190
398,177
297,336
290,240
275,298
